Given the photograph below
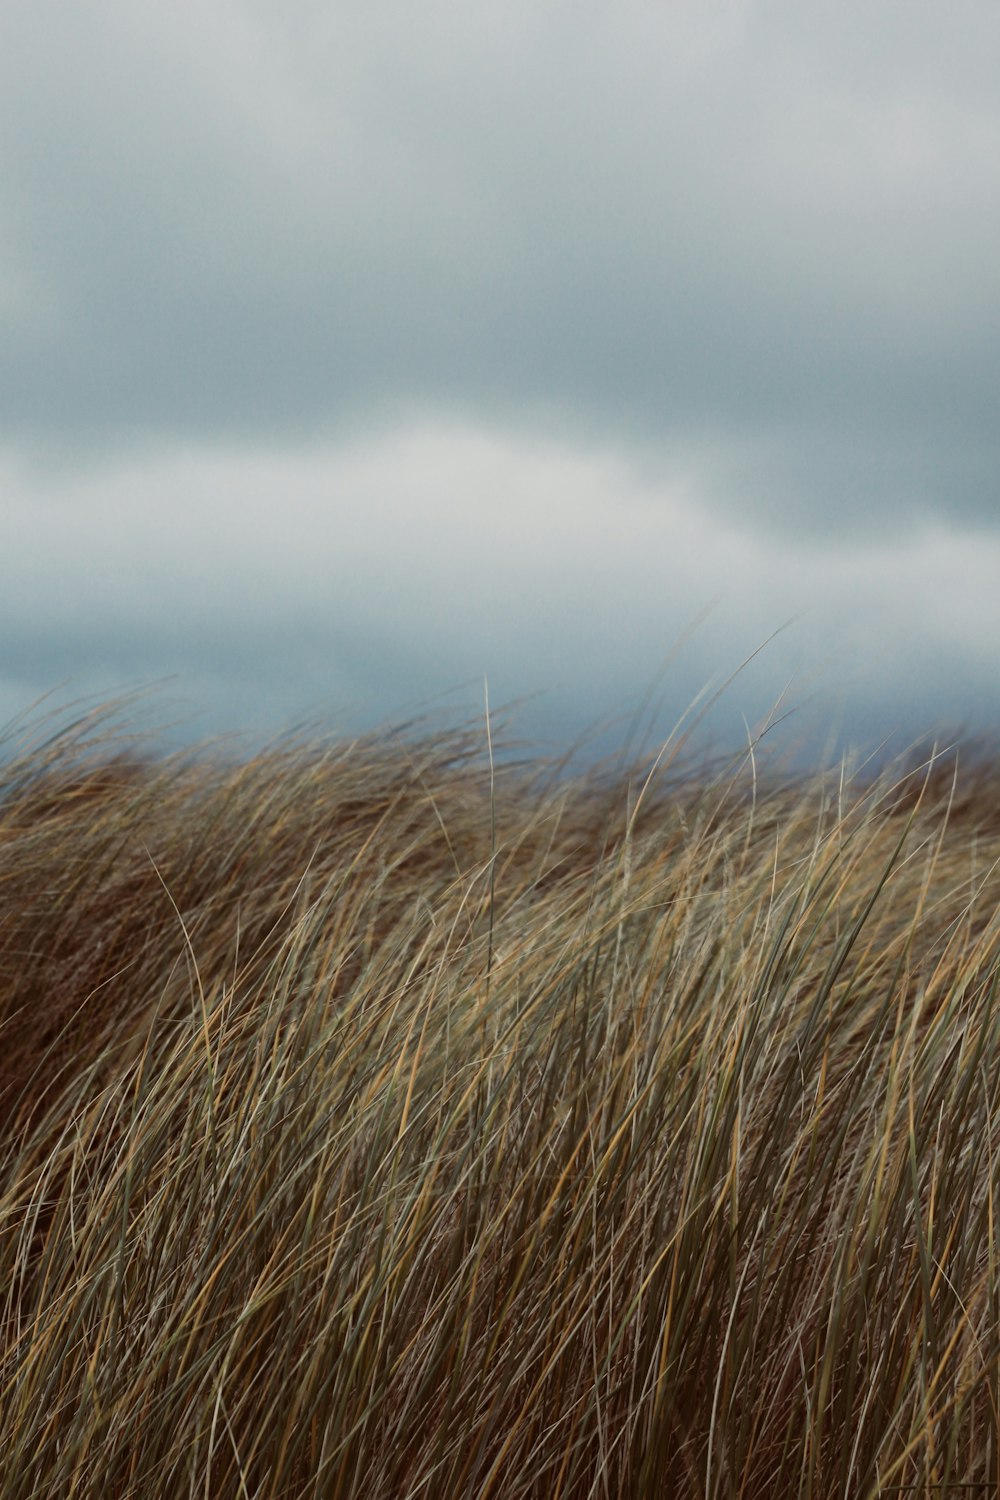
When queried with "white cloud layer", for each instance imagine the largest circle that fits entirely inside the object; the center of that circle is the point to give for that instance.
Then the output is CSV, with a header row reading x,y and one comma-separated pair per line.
x,y
358,577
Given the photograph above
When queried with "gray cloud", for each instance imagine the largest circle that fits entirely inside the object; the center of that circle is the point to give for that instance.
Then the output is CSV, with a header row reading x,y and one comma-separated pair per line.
x,y
348,353
762,236
376,586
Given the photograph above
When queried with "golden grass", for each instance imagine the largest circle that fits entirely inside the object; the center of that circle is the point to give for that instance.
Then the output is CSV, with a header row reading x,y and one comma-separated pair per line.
x,y
376,1128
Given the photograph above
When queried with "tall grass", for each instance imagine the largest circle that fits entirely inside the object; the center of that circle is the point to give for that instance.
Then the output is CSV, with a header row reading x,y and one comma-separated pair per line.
x,y
379,1121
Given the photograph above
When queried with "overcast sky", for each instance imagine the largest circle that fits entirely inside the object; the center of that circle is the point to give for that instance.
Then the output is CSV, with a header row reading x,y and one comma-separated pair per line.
x,y
350,352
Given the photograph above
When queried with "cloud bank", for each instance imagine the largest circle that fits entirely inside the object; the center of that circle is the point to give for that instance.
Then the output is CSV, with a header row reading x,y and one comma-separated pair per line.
x,y
397,571
351,351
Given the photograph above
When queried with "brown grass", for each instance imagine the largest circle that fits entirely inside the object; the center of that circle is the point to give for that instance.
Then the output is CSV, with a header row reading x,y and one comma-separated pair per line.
x,y
372,1126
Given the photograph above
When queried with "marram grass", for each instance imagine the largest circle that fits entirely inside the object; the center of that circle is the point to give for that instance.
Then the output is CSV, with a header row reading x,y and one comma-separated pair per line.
x,y
374,1127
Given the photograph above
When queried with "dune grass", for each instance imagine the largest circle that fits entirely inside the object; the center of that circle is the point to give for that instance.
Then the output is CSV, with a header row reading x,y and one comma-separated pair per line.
x,y
378,1124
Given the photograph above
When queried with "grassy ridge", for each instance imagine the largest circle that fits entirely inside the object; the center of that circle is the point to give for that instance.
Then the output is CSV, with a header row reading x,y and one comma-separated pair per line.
x,y
374,1126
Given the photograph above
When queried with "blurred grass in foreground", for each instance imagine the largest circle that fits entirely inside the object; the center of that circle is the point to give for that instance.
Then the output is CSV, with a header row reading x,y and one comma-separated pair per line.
x,y
646,1145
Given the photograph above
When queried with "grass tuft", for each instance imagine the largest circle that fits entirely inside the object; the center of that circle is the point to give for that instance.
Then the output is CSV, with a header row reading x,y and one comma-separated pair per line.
x,y
384,1120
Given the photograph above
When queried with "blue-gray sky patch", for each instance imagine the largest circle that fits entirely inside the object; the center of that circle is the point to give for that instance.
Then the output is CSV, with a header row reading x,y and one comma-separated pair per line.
x,y
608,275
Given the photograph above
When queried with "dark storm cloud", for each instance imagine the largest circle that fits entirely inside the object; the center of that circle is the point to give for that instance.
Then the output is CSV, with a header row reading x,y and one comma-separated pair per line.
x,y
761,235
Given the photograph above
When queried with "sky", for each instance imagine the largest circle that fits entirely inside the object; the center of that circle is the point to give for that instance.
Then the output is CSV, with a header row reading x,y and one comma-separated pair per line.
x,y
359,359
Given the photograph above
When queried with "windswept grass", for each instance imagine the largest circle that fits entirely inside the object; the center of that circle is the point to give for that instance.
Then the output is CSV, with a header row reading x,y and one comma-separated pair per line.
x,y
374,1126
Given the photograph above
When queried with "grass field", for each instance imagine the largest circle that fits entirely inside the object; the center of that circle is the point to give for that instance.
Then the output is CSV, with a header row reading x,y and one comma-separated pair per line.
x,y
380,1123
